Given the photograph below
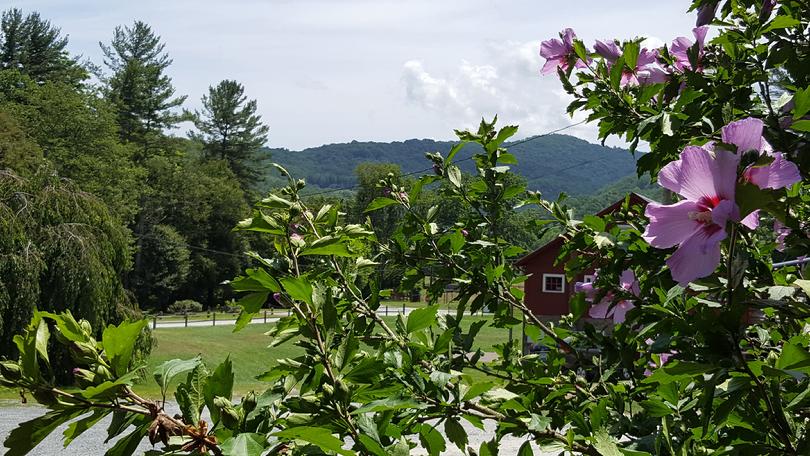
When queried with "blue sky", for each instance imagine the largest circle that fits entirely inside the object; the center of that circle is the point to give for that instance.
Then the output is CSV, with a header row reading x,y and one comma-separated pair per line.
x,y
337,70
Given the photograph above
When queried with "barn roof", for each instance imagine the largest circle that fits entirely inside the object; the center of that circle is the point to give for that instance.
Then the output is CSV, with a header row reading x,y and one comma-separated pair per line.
x,y
556,243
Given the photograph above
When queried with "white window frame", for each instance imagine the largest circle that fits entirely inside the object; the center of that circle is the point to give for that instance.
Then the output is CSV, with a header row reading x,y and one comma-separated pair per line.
x,y
589,278
551,276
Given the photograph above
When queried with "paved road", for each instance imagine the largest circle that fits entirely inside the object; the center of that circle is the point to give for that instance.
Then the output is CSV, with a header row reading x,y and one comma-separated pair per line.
x,y
91,443
392,311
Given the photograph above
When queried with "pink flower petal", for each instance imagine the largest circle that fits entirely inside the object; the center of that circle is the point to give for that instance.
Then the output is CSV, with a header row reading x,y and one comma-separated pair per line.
x,y
780,173
698,256
751,220
628,282
621,310
746,134
600,310
551,66
670,224
699,175
724,211
608,49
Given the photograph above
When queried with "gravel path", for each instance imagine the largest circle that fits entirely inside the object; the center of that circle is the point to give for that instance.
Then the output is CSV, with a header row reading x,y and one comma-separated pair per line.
x,y
91,443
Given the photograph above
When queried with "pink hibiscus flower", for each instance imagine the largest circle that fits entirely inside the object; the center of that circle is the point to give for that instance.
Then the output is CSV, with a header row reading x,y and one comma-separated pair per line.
x,y
663,358
681,45
646,70
746,135
697,223
604,309
560,52
782,232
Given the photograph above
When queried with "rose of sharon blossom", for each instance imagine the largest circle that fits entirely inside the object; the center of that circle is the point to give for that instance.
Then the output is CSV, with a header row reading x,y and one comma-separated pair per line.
x,y
696,224
646,71
663,358
681,45
782,232
746,134
559,52
604,309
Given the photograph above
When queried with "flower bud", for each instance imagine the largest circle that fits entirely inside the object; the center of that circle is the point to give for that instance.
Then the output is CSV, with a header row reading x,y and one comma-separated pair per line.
x,y
83,377
86,327
706,13
249,402
9,370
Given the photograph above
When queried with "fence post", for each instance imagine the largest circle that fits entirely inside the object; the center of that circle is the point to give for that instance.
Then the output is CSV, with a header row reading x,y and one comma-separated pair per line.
x,y
215,319
403,307
154,322
265,315
386,309
185,319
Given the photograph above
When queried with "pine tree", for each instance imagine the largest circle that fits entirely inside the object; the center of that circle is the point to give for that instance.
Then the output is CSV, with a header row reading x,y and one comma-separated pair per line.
x,y
33,46
139,88
230,130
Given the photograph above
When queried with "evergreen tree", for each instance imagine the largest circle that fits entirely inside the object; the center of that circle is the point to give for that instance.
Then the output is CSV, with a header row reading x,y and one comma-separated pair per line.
x,y
230,130
139,88
33,46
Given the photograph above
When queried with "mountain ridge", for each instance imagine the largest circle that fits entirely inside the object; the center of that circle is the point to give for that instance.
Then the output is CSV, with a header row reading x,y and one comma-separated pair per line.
x,y
551,163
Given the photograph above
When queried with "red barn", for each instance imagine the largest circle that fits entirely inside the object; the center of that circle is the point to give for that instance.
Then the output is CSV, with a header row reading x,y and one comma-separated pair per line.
x,y
547,291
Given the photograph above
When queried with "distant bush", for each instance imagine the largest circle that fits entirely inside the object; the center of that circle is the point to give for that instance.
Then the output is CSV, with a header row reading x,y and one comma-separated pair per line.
x,y
185,305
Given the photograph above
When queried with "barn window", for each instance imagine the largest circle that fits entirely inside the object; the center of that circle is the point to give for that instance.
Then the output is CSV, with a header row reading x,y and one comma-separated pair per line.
x,y
589,278
553,283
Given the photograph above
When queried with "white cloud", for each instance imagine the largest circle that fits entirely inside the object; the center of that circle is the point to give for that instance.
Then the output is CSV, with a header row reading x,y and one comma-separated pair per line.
x,y
508,85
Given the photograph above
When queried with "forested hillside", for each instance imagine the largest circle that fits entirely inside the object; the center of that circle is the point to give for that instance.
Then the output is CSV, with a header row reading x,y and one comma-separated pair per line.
x,y
551,164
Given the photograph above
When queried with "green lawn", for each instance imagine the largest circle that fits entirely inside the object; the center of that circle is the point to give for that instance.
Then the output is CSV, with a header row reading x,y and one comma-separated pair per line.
x,y
248,351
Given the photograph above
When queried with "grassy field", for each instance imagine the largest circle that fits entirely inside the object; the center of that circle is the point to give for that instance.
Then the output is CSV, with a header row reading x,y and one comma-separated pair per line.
x,y
248,351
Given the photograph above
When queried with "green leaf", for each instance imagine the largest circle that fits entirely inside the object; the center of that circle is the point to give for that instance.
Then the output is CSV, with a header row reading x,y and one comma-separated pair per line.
x,y
804,285
454,174
251,305
604,444
580,51
801,125
256,280
793,357
27,435
245,444
317,436
298,288
432,440
190,395
119,344
379,203
630,53
78,427
780,22
220,383
389,403
168,370
337,249
422,318
129,444
67,326
801,103
526,449
476,389
656,408
455,433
